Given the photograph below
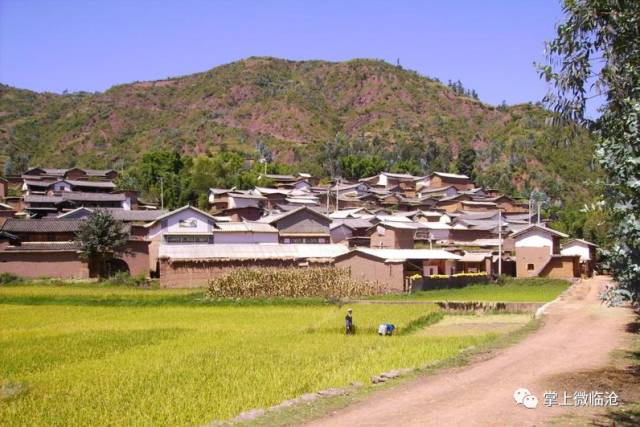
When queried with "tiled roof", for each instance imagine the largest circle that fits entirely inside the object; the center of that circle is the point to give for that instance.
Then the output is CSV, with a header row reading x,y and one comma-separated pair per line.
x,y
450,175
45,225
475,256
405,254
173,212
217,191
135,215
97,172
254,227
39,183
93,184
281,177
251,251
44,246
42,199
270,219
539,227
78,196
247,196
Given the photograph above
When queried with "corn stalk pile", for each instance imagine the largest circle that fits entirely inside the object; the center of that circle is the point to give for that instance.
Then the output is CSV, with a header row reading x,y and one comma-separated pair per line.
x,y
290,283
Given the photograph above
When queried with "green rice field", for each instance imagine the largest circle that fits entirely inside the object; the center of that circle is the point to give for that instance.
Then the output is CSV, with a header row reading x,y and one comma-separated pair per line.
x,y
90,355
514,290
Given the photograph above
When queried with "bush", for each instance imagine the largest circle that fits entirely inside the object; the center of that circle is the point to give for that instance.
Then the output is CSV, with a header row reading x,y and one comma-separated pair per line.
x,y
10,279
502,280
479,274
122,278
290,283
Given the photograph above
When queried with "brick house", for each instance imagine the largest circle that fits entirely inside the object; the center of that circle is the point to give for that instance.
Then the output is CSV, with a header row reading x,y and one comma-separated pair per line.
x,y
537,250
393,235
442,179
301,225
391,267
585,250
45,248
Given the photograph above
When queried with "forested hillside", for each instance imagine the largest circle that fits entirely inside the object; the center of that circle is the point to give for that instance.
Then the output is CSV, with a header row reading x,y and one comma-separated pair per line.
x,y
348,118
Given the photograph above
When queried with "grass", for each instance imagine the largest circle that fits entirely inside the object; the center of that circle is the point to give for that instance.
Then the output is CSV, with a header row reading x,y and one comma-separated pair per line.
x,y
322,407
85,354
622,376
514,290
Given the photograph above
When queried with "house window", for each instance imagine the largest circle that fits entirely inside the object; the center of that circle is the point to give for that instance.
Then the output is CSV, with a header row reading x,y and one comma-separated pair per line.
x,y
188,239
188,223
530,267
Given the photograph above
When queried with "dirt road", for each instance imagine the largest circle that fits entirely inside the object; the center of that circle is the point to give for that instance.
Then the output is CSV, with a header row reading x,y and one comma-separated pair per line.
x,y
578,334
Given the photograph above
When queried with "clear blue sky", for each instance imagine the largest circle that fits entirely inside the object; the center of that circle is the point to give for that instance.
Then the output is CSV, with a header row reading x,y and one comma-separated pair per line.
x,y
489,45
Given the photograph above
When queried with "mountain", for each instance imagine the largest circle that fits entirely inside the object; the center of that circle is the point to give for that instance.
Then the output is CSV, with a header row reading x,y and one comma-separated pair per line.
x,y
294,107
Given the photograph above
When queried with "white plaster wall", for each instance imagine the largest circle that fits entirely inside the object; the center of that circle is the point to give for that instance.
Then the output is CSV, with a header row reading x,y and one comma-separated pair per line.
x,y
535,239
577,248
236,202
244,237
173,224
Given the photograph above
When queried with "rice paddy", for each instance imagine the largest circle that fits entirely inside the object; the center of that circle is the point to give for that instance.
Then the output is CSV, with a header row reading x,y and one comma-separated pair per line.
x,y
85,355
514,290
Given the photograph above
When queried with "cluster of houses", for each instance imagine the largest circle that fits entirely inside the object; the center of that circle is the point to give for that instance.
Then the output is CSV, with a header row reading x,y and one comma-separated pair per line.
x,y
384,228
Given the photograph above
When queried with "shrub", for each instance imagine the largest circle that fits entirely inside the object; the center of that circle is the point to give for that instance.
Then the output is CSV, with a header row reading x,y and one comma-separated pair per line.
x,y
290,283
480,274
10,279
122,278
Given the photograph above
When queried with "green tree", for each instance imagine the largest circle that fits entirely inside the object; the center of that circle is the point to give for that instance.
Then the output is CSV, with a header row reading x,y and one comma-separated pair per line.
x,y
355,167
406,166
16,164
101,238
598,46
466,162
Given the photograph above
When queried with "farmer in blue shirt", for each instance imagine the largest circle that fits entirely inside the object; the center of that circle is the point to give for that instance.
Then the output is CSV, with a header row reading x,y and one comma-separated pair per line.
x,y
348,322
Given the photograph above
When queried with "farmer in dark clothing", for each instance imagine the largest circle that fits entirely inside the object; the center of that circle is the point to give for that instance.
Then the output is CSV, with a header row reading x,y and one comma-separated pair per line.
x,y
348,322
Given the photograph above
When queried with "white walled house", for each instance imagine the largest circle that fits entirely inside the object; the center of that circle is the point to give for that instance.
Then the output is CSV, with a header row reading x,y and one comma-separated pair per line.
x,y
579,247
244,200
537,250
585,250
186,225
537,238
244,232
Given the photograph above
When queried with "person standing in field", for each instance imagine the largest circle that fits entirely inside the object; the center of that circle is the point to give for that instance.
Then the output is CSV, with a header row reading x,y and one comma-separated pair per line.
x,y
348,321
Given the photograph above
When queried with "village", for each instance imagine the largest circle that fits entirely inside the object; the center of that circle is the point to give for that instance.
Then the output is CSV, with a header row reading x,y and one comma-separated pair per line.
x,y
398,230
319,214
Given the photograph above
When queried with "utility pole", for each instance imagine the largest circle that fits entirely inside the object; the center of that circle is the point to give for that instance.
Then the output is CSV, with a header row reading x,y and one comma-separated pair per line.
x,y
328,197
499,243
538,219
530,208
161,194
337,192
